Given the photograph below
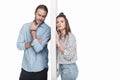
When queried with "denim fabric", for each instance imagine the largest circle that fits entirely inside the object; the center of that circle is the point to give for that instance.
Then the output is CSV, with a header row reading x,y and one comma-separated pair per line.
x,y
68,71
35,58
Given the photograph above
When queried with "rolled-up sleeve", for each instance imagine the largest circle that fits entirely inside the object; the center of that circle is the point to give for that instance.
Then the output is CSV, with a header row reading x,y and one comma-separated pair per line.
x,y
21,40
38,46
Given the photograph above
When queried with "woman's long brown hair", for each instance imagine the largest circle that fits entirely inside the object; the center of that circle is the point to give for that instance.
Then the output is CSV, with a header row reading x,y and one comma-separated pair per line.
x,y
67,26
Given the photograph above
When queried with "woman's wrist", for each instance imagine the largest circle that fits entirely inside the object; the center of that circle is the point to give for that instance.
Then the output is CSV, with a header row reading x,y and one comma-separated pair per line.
x,y
58,44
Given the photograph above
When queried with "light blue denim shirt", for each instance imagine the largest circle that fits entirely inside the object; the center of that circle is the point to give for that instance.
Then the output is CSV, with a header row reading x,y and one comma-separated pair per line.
x,y
35,58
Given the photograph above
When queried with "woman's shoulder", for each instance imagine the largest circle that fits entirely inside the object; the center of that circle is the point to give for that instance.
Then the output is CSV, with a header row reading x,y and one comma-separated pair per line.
x,y
71,36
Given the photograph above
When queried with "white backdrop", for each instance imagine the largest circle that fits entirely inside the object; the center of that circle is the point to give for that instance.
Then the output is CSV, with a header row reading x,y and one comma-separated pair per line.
x,y
95,23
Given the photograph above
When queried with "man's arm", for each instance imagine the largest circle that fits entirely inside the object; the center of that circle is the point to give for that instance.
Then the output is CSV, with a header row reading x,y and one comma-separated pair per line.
x,y
21,39
28,45
21,44
40,43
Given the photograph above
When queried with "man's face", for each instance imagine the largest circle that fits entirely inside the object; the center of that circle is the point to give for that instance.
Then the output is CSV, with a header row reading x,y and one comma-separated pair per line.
x,y
40,16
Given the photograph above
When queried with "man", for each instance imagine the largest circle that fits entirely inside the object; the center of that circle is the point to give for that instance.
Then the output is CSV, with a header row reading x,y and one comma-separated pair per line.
x,y
33,39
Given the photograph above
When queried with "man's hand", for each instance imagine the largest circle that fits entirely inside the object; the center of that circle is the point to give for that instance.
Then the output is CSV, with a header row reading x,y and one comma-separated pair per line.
x,y
33,33
28,45
40,39
33,26
33,29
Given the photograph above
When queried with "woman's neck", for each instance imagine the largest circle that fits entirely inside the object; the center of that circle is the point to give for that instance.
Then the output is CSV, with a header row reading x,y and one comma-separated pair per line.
x,y
63,33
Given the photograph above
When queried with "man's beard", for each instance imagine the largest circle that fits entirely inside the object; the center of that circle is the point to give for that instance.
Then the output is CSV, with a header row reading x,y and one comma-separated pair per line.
x,y
38,22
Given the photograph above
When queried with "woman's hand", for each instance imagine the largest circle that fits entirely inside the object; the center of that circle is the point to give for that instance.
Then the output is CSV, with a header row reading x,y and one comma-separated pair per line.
x,y
59,45
57,39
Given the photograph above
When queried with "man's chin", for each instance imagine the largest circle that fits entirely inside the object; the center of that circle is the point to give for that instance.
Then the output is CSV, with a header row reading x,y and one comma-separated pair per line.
x,y
35,22
39,22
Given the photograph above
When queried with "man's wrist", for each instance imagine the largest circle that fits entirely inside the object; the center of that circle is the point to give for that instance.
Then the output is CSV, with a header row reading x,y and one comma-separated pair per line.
x,y
28,44
32,30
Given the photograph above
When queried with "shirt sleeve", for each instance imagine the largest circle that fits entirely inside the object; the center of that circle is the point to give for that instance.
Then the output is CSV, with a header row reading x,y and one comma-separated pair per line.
x,y
70,48
21,39
38,46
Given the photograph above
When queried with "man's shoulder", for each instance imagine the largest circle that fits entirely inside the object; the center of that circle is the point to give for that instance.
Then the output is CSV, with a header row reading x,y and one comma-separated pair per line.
x,y
27,24
46,26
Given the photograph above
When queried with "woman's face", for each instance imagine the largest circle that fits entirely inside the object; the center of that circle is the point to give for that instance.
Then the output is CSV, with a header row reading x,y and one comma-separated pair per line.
x,y
60,23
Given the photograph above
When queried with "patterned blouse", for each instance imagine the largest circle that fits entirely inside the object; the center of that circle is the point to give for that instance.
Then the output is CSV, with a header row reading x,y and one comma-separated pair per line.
x,y
70,52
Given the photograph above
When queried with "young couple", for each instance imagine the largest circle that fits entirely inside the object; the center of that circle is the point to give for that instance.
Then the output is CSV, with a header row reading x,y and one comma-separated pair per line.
x,y
33,39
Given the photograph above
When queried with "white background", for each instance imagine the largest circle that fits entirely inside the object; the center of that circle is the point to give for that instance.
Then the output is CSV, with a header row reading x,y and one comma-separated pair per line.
x,y
95,23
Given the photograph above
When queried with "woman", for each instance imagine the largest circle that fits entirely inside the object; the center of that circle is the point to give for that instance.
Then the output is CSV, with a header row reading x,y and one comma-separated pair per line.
x,y
66,49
